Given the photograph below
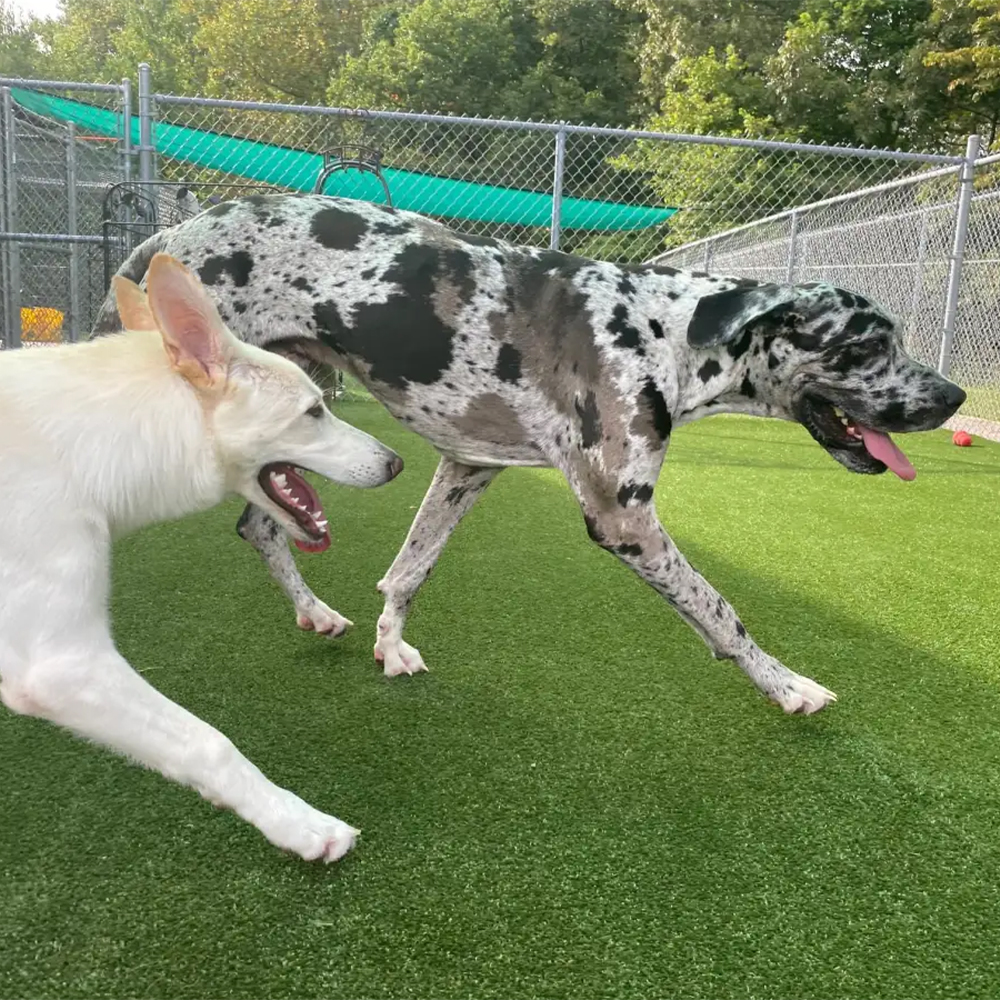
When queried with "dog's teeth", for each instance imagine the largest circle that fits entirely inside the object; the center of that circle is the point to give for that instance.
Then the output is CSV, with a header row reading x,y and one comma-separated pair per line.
x,y
279,480
322,525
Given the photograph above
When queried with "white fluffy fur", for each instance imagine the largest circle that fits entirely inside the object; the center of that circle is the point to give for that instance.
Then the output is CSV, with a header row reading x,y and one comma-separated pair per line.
x,y
102,438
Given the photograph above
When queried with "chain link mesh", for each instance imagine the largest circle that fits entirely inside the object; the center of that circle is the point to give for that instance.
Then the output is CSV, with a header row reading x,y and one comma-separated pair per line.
x,y
56,188
892,244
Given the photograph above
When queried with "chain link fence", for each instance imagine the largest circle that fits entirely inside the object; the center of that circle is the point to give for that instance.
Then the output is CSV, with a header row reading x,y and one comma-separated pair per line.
x,y
53,176
79,189
892,242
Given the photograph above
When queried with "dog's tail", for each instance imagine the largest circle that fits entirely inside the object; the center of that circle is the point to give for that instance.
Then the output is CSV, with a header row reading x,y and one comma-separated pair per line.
x,y
108,320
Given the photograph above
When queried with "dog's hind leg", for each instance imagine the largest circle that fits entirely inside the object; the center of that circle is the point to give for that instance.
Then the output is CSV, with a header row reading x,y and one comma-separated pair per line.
x,y
90,689
621,518
269,539
451,494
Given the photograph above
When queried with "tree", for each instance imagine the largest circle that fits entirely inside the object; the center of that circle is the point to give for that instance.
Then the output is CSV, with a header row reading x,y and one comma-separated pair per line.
x,y
20,51
279,50
962,52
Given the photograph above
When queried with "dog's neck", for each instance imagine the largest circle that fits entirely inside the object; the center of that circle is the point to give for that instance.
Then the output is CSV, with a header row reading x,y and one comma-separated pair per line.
x,y
129,435
730,378
733,378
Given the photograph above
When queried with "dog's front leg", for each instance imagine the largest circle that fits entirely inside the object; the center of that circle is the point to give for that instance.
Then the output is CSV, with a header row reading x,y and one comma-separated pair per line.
x,y
93,691
269,539
625,523
452,492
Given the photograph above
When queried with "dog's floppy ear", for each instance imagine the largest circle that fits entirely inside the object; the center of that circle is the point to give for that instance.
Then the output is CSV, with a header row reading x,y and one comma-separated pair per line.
x,y
194,336
721,318
133,309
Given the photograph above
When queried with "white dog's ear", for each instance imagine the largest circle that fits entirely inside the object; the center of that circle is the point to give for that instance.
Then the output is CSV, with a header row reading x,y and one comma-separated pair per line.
x,y
133,309
194,336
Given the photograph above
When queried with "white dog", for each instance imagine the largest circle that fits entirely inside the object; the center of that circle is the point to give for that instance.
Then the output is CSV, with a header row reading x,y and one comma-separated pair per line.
x,y
104,437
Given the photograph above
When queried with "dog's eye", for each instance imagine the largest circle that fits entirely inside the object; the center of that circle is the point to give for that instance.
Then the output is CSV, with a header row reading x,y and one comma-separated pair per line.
x,y
315,411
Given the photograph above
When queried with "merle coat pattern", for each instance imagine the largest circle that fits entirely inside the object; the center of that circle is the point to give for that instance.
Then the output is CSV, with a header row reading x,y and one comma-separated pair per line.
x,y
501,355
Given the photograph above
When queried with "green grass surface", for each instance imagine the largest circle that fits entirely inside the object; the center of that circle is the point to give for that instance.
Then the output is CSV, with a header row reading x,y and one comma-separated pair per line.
x,y
577,801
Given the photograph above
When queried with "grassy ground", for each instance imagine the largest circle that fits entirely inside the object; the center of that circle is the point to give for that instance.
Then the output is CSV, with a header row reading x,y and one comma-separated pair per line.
x,y
576,801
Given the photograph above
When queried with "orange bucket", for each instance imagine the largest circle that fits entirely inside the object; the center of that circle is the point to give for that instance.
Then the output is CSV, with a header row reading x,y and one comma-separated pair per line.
x,y
40,323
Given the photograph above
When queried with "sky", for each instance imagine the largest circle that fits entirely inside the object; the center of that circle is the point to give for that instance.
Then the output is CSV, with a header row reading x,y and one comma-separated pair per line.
x,y
37,8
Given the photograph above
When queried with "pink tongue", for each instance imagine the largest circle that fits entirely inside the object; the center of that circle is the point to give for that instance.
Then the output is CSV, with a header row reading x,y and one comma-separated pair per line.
x,y
882,447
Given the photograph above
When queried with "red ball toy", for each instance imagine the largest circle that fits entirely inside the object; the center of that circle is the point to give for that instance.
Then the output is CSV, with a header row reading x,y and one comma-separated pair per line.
x,y
962,439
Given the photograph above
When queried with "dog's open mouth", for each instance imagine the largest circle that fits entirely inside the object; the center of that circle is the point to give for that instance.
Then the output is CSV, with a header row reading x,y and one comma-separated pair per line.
x,y
860,448
285,485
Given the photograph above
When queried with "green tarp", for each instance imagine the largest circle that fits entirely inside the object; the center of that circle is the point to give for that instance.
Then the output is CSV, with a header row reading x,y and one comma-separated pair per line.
x,y
298,170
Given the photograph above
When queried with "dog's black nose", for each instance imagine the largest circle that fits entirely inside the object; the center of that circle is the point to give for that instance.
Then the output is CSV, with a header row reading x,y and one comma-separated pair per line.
x,y
954,395
395,466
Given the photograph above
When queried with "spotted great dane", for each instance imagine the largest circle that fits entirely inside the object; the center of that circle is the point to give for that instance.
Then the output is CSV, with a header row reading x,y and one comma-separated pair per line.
x,y
503,355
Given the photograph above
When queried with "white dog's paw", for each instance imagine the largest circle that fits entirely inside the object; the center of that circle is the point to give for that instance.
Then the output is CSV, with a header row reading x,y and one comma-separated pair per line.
x,y
317,617
398,658
310,834
799,695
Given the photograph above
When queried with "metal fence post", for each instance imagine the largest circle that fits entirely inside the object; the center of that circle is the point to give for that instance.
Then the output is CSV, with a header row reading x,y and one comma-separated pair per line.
x,y
958,253
126,130
557,188
71,230
793,232
146,148
12,287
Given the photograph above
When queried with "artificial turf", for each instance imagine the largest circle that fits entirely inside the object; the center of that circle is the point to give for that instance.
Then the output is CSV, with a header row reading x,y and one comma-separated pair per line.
x,y
577,801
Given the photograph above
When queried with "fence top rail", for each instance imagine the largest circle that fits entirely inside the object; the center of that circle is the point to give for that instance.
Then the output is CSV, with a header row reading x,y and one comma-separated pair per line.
x,y
985,161
813,207
16,81
505,123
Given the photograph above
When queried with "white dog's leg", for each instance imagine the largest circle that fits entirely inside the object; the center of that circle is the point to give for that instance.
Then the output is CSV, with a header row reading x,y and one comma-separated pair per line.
x,y
452,492
93,691
269,539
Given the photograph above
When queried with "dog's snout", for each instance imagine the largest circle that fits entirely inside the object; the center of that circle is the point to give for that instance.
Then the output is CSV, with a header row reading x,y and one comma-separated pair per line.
x,y
395,466
954,395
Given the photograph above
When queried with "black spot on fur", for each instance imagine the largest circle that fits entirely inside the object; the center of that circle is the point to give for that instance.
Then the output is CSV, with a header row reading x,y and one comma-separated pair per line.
x,y
657,327
508,367
641,492
403,339
455,494
747,388
659,269
653,399
477,241
336,229
590,420
739,347
709,370
391,228
847,300
592,531
857,324
368,273
302,284
740,628
237,265
673,295
239,308
460,268
628,549
894,413
626,335
625,286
